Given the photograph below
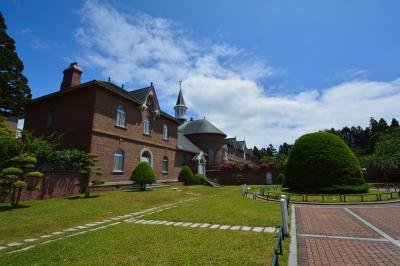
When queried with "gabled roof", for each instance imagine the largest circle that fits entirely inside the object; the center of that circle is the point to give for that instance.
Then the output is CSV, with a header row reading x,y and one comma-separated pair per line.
x,y
186,145
111,87
180,100
201,126
141,94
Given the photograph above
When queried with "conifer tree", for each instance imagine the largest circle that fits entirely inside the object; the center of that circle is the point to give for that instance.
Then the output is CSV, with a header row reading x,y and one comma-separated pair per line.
x,y
14,89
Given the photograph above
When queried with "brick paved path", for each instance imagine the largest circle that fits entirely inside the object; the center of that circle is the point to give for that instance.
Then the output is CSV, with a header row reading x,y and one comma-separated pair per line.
x,y
348,235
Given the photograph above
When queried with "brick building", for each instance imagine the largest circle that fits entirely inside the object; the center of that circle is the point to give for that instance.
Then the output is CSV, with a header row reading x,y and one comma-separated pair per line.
x,y
125,127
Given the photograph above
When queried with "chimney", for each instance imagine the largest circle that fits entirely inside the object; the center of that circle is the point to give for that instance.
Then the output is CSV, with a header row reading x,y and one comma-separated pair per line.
x,y
72,76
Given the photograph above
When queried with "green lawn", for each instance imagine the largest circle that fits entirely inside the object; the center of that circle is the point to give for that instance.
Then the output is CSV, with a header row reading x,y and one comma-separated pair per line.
x,y
37,217
136,244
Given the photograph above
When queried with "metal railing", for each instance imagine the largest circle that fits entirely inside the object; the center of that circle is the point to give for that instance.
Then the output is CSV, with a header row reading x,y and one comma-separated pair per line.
x,y
331,198
278,249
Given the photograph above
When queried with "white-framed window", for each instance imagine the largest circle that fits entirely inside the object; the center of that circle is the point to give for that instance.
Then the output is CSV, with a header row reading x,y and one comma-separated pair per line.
x,y
121,116
146,126
165,165
118,166
165,132
145,156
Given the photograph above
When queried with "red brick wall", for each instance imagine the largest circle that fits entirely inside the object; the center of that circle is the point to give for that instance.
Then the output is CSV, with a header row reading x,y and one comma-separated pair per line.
x,y
53,185
251,176
207,141
72,117
107,137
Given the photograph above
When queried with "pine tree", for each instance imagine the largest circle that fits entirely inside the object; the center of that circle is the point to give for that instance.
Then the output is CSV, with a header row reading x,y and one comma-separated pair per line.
x,y
394,123
14,90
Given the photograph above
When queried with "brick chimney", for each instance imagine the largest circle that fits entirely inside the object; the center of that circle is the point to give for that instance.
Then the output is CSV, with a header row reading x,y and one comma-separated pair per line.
x,y
72,76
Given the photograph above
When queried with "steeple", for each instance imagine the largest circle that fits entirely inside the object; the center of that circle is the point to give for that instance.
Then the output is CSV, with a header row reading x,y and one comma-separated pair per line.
x,y
180,107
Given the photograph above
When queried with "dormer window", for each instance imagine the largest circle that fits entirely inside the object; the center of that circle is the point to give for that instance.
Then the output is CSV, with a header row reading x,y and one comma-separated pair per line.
x,y
165,132
146,126
121,116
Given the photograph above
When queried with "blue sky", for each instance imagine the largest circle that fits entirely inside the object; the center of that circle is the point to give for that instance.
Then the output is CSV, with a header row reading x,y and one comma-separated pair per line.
x,y
267,70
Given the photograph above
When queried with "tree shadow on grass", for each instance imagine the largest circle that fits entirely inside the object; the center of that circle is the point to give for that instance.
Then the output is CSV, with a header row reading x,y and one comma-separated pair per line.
x,y
9,208
81,197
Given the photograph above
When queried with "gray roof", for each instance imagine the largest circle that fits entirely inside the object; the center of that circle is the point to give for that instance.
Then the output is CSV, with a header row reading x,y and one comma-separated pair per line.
x,y
200,126
185,144
180,100
141,94
239,145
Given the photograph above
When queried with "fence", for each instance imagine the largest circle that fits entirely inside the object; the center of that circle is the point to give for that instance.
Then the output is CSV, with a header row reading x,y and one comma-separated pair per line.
x,y
282,229
331,198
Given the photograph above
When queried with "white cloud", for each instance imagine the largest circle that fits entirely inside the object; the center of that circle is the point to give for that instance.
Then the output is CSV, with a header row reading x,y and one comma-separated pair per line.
x,y
220,81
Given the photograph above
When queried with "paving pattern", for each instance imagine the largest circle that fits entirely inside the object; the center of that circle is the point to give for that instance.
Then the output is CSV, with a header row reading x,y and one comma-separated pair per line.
x,y
348,235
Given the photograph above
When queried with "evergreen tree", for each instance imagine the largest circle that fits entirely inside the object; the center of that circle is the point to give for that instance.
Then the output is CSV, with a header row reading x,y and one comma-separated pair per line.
x,y
14,90
394,123
284,149
271,151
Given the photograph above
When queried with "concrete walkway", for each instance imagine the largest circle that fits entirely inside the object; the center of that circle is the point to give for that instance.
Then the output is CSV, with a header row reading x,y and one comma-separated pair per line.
x,y
346,235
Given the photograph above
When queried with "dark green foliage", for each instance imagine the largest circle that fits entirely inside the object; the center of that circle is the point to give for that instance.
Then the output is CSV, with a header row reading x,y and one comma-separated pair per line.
x,y
9,146
199,179
64,160
322,163
87,167
13,178
14,90
386,155
39,147
186,175
281,179
143,175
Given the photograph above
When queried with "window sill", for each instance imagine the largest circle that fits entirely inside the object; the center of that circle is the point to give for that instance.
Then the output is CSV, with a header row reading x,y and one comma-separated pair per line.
x,y
164,173
117,172
147,135
166,140
121,127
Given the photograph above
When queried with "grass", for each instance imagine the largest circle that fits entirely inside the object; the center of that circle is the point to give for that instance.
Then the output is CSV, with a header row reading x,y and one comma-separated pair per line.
x,y
37,217
135,244
225,207
132,244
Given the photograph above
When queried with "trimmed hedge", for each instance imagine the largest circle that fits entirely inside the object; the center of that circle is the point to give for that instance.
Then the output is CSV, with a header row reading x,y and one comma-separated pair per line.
x,y
143,174
199,179
321,162
186,175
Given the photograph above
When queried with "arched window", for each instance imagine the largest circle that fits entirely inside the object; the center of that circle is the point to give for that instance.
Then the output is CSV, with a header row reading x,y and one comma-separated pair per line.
x,y
146,156
165,132
118,161
211,156
165,165
121,116
146,126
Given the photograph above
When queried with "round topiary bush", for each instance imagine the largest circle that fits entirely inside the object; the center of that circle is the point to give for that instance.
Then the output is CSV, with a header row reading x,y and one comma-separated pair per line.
x,y
186,175
321,162
199,179
143,174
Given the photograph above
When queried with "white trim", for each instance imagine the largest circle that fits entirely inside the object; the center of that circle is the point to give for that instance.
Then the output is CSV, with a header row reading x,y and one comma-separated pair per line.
x,y
151,156
292,261
376,229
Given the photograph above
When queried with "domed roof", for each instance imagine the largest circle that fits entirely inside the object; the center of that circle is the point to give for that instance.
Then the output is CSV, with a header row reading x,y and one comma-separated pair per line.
x,y
201,126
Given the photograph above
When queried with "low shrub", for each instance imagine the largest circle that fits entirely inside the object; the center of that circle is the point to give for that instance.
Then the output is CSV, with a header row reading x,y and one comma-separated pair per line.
x,y
143,175
186,175
199,179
